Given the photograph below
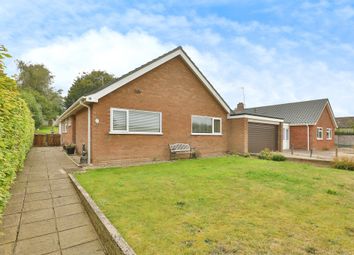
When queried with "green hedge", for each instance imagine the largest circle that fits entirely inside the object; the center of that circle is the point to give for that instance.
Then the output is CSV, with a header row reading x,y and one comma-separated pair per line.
x,y
16,134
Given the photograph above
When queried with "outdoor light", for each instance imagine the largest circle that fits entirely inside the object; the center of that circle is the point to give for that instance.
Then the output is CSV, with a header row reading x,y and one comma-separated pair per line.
x,y
97,121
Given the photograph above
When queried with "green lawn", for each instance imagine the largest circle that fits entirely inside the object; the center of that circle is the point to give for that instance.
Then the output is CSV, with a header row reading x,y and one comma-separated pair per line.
x,y
47,130
228,205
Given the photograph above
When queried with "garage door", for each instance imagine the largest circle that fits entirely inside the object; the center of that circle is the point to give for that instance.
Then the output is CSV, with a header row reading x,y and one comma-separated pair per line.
x,y
262,136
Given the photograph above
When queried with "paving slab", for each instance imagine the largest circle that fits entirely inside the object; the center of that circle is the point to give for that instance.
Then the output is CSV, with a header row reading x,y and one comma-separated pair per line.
x,y
64,192
10,220
76,236
44,214
10,236
61,201
92,248
38,196
38,215
36,205
38,245
68,210
6,249
73,221
38,228
13,207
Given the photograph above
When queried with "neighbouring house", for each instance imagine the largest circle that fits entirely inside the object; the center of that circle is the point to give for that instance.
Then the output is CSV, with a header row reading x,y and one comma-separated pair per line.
x,y
345,124
167,100
345,132
307,124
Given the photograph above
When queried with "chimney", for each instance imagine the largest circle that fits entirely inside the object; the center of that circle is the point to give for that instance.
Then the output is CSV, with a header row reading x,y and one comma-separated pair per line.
x,y
240,107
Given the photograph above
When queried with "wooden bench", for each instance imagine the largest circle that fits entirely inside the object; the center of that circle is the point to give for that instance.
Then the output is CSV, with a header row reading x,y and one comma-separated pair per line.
x,y
181,148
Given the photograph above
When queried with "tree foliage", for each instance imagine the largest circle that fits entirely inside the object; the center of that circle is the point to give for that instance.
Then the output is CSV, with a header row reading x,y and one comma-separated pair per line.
x,y
86,83
35,82
16,131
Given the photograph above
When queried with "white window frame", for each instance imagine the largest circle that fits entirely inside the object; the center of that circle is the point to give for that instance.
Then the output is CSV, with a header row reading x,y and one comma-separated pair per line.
x,y
213,118
329,131
319,128
64,126
127,132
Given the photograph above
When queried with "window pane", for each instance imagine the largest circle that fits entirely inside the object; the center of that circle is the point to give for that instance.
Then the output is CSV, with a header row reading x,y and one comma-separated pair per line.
x,y
202,125
217,126
119,120
319,133
140,121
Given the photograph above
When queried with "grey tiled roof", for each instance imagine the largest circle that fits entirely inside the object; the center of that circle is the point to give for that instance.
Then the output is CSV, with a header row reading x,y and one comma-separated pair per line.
x,y
345,122
305,112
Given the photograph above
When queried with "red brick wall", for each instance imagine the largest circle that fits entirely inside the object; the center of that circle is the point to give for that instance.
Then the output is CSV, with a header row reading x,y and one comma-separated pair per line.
x,y
238,137
298,134
298,137
325,122
69,136
81,129
171,89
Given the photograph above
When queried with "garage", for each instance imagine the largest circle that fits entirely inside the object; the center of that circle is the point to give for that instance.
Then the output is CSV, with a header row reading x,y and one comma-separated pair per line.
x,y
261,136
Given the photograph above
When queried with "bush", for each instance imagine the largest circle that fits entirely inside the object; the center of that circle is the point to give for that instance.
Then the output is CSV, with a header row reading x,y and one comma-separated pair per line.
x,y
268,155
16,134
265,154
345,163
278,157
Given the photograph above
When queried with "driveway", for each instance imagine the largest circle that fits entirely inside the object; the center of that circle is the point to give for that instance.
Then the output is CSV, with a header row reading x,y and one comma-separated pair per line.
x,y
320,154
44,214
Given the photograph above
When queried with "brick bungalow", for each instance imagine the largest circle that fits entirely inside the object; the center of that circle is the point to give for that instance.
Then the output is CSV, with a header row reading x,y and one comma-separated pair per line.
x,y
165,101
307,124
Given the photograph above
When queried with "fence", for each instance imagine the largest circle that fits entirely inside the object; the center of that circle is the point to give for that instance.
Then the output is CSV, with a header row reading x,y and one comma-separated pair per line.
x,y
46,140
344,140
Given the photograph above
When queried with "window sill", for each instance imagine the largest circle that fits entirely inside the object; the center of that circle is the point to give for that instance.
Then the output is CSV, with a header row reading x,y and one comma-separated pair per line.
x,y
329,139
204,134
320,139
134,133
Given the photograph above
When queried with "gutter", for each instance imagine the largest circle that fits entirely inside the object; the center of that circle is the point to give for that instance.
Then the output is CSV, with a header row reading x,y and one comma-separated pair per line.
x,y
308,137
88,131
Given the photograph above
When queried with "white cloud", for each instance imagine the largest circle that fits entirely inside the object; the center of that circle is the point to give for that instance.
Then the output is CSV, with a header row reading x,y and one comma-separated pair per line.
x,y
100,50
268,76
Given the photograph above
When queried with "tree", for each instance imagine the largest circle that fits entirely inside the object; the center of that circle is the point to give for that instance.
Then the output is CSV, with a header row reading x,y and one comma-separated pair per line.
x,y
86,83
3,55
34,81
34,76
34,107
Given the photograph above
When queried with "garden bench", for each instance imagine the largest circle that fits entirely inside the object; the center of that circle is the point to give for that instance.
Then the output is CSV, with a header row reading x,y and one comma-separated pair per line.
x,y
181,148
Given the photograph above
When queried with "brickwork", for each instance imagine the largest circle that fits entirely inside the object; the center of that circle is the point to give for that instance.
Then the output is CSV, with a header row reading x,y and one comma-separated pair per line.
x,y
238,138
325,122
69,136
175,91
81,129
298,134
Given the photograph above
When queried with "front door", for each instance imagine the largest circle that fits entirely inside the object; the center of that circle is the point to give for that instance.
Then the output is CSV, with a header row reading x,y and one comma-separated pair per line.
x,y
286,139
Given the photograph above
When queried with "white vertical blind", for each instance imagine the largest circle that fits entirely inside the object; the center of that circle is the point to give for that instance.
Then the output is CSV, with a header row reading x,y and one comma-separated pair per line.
x,y
142,121
135,121
119,122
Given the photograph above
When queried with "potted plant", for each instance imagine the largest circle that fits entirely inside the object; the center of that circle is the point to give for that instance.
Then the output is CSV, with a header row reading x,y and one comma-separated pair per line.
x,y
70,148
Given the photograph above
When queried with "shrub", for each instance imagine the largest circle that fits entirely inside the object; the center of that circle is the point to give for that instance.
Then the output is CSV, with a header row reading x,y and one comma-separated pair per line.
x,y
345,163
265,154
278,157
268,155
16,134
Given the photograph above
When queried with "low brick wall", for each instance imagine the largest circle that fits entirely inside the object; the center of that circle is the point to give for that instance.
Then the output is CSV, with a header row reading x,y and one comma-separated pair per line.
x,y
111,239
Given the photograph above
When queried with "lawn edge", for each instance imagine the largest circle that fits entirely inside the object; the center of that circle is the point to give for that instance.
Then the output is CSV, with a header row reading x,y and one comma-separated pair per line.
x,y
112,240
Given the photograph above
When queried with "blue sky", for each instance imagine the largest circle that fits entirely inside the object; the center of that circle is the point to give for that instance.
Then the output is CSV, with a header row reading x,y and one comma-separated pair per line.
x,y
279,51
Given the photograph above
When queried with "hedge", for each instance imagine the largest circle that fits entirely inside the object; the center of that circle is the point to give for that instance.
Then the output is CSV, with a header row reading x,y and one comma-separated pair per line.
x,y
16,135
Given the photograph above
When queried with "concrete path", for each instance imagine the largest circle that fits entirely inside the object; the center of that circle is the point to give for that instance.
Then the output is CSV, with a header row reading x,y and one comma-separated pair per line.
x,y
44,214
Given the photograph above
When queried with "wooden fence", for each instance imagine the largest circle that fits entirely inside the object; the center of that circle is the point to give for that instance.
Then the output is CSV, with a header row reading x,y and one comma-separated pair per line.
x,y
46,140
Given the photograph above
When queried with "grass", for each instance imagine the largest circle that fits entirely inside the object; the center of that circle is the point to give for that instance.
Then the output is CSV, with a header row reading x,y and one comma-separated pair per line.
x,y
47,130
228,205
